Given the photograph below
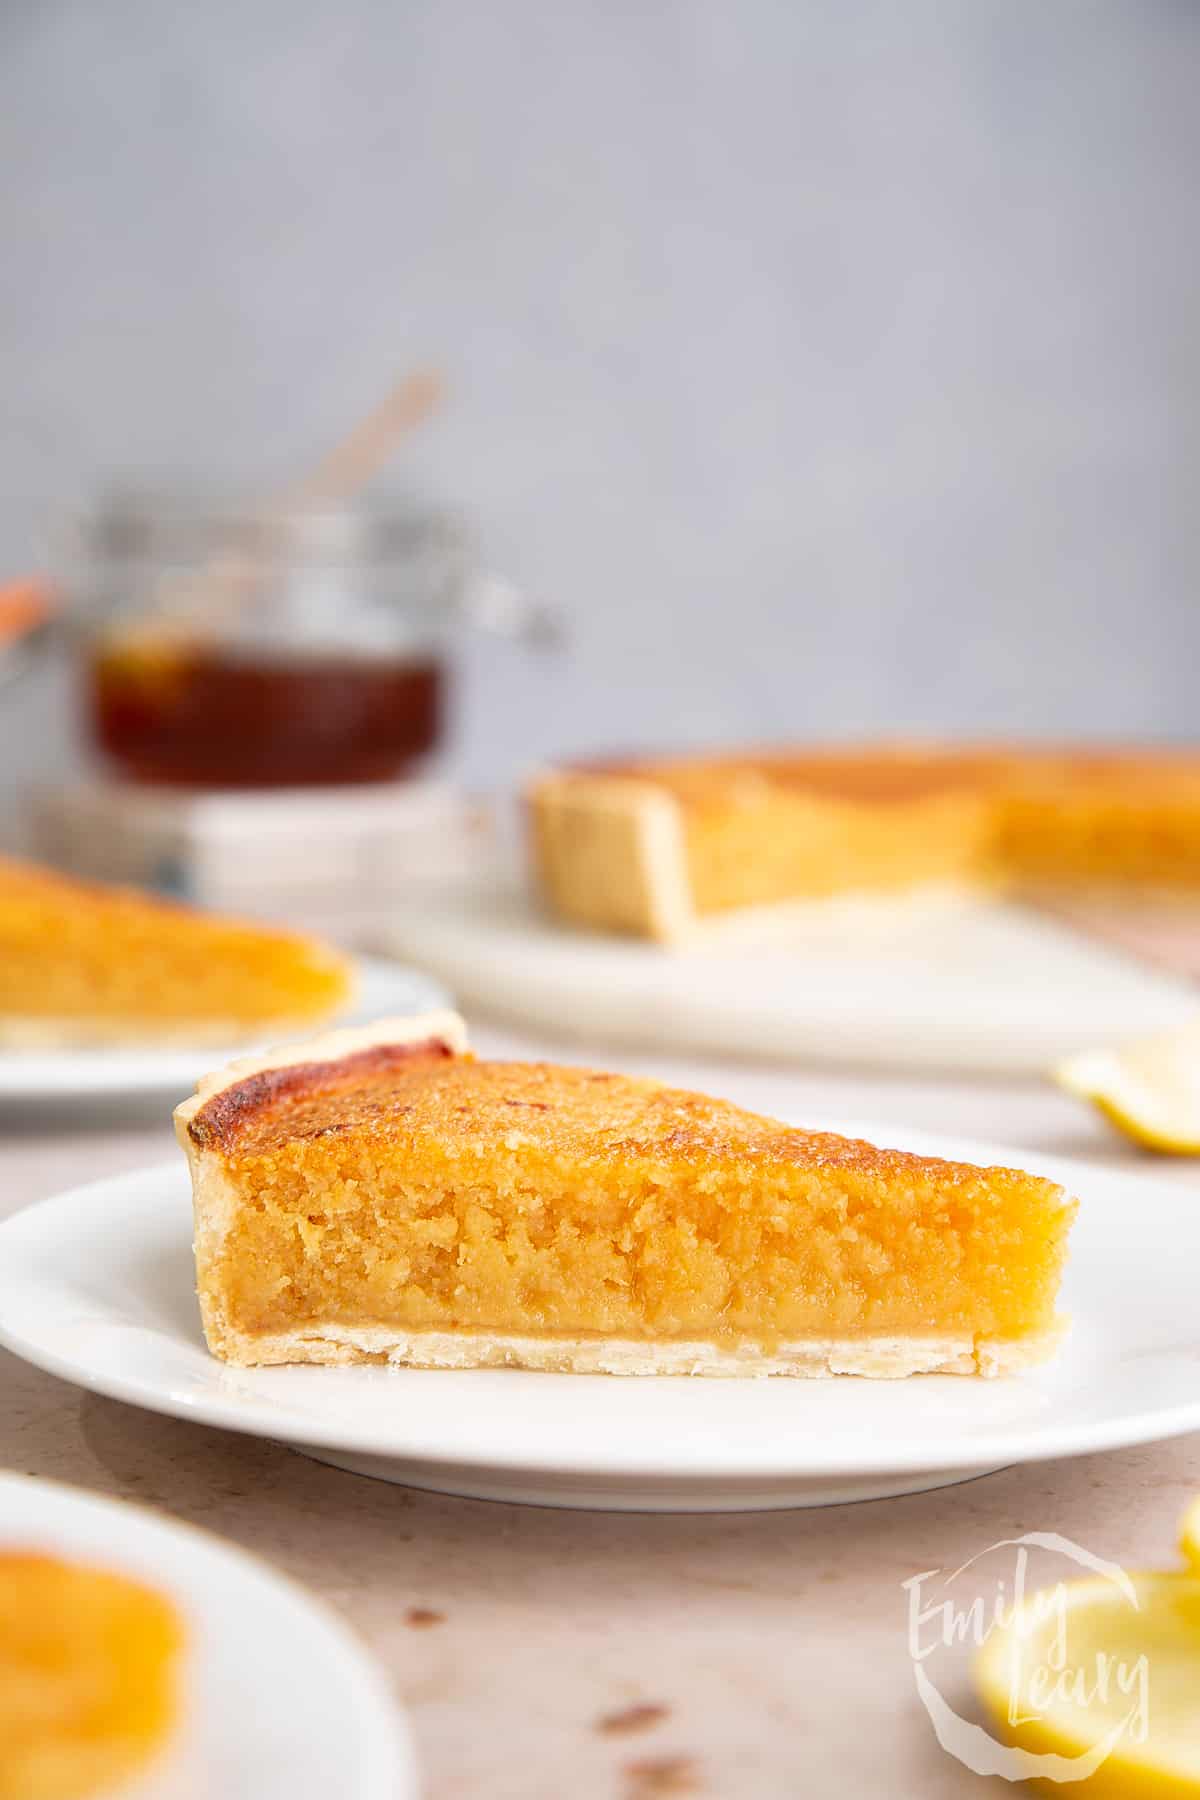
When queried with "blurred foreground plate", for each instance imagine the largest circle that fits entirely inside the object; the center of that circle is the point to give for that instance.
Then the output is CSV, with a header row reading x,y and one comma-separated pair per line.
x,y
279,1697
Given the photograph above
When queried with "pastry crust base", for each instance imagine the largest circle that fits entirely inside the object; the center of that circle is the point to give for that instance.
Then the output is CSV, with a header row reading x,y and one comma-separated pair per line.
x,y
882,1358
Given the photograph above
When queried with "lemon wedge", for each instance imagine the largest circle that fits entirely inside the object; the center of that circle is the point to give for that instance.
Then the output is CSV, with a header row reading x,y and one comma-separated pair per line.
x,y
1189,1536
1150,1090
1098,1685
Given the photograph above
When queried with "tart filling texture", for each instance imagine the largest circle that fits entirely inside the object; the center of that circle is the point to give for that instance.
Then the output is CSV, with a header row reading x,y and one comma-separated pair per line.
x,y
380,1195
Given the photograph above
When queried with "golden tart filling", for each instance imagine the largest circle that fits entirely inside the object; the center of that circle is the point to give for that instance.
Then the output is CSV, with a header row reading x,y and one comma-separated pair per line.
x,y
654,845
382,1195
84,963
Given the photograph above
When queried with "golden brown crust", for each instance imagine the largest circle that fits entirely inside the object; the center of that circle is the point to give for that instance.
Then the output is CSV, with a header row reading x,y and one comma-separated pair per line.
x,y
396,1033
308,1098
901,771
380,1082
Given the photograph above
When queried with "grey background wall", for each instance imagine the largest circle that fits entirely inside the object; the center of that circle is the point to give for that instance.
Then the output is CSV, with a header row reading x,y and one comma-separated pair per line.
x,y
832,366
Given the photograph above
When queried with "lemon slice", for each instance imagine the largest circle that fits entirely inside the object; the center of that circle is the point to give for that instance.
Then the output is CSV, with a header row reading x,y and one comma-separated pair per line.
x,y
1150,1090
1098,1685
1189,1536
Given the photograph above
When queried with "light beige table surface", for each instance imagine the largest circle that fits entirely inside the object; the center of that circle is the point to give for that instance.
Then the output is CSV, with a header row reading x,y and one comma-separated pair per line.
x,y
775,1645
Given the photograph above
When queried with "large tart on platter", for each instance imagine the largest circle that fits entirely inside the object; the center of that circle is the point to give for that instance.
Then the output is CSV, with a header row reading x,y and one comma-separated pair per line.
x,y
379,1195
654,845
82,963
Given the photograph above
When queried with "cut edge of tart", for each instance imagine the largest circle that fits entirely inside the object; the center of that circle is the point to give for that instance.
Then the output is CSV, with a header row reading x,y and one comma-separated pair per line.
x,y
377,1195
220,1097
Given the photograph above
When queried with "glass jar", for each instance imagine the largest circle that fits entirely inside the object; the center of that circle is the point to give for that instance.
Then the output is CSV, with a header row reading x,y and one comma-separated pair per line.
x,y
229,651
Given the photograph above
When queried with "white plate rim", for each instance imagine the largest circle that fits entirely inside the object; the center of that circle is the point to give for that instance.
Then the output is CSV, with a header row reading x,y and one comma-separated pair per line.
x,y
381,1723
1147,1425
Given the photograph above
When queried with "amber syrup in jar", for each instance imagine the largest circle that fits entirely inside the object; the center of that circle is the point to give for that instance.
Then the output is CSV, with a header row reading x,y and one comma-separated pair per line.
x,y
165,711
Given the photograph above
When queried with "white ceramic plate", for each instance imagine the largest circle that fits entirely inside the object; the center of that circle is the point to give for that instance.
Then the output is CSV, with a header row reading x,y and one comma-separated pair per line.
x,y
96,1286
930,980
129,1071
279,1697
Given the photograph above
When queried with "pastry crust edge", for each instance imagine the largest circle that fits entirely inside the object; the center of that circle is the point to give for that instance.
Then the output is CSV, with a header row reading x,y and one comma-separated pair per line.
x,y
882,1358
611,852
441,1026
215,1198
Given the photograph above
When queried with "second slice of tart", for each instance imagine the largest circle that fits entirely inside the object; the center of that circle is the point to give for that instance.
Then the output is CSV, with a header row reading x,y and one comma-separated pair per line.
x,y
381,1195
85,963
